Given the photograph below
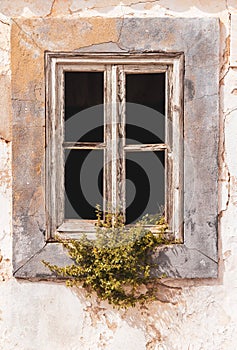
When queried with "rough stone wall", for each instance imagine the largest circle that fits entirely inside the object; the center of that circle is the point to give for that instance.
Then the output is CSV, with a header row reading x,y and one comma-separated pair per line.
x,y
193,314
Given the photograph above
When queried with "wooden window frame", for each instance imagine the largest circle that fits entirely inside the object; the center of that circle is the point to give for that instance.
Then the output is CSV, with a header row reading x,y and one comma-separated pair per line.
x,y
115,68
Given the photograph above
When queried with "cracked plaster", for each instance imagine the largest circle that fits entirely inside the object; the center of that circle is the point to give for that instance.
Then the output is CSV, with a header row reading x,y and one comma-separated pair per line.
x,y
33,316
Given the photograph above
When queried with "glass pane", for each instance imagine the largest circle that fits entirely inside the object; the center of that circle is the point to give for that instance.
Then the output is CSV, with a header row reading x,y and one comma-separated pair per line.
x,y
145,108
145,184
84,106
83,183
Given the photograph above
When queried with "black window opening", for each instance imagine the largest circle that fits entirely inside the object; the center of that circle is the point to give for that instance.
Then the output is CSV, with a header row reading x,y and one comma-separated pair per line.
x,y
145,108
84,98
145,184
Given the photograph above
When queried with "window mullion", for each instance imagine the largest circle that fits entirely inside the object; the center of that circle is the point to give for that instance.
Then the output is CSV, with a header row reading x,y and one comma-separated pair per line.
x,y
107,139
114,140
114,168
118,139
121,123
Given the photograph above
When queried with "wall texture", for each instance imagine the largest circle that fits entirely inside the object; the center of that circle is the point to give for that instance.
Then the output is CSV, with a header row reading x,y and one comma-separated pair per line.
x,y
191,314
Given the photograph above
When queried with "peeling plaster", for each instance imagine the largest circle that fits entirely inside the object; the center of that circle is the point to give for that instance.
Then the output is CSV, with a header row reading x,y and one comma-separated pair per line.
x,y
198,314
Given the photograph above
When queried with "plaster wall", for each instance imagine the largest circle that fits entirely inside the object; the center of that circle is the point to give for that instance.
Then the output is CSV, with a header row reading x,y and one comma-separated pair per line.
x,y
191,314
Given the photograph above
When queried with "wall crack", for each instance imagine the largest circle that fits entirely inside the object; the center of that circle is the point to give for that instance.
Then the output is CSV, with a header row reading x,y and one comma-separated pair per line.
x,y
201,97
120,31
7,24
97,45
147,2
51,9
28,35
199,251
229,112
31,258
4,140
225,68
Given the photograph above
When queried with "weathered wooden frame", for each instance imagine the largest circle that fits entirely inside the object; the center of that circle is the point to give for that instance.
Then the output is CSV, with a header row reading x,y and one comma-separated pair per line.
x,y
115,68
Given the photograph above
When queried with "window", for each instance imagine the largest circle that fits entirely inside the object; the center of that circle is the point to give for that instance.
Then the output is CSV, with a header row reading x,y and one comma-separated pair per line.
x,y
116,133
181,56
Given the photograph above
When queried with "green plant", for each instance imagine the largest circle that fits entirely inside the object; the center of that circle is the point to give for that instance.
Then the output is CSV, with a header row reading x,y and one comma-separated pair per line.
x,y
116,265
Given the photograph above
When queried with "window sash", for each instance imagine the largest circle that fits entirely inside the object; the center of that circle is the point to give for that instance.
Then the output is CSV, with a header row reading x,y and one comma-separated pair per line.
x,y
115,70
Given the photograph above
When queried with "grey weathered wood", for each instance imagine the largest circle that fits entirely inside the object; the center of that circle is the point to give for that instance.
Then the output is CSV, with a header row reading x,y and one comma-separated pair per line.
x,y
177,148
168,153
78,226
145,68
48,137
69,58
174,155
114,137
69,230
85,66
146,147
121,142
59,151
83,145
50,148
108,140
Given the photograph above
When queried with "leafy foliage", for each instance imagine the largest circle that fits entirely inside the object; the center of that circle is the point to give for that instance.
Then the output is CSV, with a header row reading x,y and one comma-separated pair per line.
x,y
116,265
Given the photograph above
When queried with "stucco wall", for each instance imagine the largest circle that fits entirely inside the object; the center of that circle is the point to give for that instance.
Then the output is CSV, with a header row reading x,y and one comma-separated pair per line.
x,y
192,314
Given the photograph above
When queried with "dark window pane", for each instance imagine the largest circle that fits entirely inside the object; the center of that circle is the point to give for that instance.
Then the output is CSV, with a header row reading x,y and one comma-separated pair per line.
x,y
145,108
145,184
84,106
83,183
